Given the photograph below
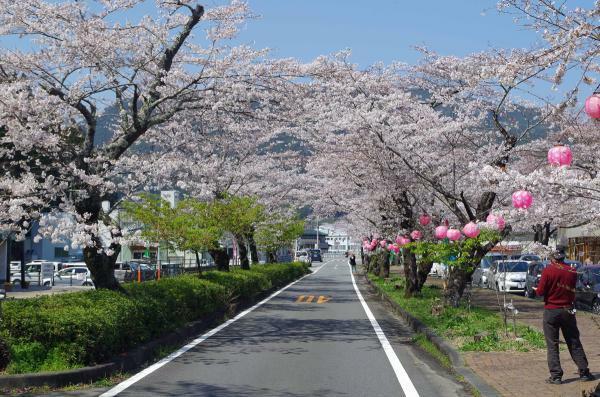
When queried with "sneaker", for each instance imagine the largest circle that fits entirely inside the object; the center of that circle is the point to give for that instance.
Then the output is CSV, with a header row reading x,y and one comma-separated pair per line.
x,y
586,376
554,381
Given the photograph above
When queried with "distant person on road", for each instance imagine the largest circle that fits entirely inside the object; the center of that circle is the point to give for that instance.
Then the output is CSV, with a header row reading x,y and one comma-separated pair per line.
x,y
352,262
557,286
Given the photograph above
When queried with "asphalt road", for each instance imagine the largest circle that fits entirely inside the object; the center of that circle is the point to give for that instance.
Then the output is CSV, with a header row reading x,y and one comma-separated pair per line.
x,y
313,339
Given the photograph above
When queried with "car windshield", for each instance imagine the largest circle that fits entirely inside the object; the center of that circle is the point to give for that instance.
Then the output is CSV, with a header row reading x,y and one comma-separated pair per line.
x,y
301,254
512,267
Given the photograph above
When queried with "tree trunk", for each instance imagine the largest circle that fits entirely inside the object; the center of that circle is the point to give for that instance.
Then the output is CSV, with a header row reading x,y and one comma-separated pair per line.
x,y
198,265
384,267
411,287
423,269
102,267
253,249
455,285
221,258
271,257
243,252
375,261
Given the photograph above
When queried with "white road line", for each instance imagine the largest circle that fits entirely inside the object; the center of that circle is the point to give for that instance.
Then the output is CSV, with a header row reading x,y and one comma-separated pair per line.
x,y
142,374
405,383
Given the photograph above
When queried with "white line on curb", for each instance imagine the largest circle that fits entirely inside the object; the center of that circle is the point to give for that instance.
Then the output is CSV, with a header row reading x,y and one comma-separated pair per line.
x,y
142,374
405,383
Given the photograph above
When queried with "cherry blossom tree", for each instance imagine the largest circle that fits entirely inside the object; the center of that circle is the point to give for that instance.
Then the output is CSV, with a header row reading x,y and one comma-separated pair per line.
x,y
76,58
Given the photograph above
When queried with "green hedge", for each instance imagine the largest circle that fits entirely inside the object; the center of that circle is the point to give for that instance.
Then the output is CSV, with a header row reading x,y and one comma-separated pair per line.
x,y
84,328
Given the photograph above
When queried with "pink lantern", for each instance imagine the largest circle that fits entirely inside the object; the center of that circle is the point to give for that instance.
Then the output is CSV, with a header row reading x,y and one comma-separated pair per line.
x,y
522,199
399,239
592,106
453,234
382,243
471,230
390,247
560,156
496,221
416,235
374,242
441,232
424,220
403,241
396,248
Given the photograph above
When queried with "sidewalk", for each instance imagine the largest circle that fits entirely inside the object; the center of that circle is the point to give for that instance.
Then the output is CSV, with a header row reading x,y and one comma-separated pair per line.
x,y
523,374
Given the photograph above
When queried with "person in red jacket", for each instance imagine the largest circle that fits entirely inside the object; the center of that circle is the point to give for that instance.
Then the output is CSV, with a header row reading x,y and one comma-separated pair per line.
x,y
557,286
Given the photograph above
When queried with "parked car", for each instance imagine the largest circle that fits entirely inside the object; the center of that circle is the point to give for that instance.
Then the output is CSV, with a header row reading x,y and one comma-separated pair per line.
x,y
79,276
15,266
510,275
302,256
587,292
482,275
32,275
530,258
315,255
534,273
121,270
439,270
146,272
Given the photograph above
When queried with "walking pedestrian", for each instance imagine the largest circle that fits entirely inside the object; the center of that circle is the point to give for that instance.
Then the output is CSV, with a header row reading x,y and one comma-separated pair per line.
x,y
352,262
557,286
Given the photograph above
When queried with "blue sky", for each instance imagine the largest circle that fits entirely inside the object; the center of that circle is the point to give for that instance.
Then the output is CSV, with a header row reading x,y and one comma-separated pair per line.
x,y
381,30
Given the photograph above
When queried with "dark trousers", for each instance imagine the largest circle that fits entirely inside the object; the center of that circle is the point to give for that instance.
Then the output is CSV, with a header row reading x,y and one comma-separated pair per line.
x,y
561,319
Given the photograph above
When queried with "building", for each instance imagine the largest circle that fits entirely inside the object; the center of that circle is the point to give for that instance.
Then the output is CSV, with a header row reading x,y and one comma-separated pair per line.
x,y
338,239
311,239
582,243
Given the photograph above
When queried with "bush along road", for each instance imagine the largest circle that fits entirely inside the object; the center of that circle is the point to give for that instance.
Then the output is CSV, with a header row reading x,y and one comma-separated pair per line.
x,y
60,332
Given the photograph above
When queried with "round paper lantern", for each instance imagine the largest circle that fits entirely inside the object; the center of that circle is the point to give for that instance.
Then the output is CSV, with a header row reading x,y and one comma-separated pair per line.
x,y
416,235
496,221
500,222
399,239
396,248
374,242
471,230
403,241
441,232
382,243
592,106
560,156
522,199
390,247
424,220
453,234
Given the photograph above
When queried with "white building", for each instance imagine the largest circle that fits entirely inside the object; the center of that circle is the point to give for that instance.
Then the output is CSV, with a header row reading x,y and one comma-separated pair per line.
x,y
338,239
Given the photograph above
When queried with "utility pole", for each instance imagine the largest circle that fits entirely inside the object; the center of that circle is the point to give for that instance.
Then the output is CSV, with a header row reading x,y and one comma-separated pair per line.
x,y
317,245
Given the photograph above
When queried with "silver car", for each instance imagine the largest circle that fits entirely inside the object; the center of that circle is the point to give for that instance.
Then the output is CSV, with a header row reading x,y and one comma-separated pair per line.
x,y
510,276
73,276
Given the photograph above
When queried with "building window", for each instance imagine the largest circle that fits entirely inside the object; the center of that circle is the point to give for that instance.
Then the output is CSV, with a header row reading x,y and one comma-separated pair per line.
x,y
60,253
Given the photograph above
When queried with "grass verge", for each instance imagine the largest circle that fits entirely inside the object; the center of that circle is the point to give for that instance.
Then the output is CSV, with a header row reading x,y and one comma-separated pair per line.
x,y
461,325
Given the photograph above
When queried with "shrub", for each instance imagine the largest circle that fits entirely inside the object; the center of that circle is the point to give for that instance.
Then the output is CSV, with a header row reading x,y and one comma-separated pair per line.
x,y
245,285
65,331
282,274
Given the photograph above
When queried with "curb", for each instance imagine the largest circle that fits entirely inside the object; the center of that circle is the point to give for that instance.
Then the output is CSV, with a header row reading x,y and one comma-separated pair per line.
x,y
458,364
130,360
